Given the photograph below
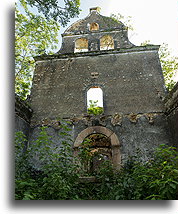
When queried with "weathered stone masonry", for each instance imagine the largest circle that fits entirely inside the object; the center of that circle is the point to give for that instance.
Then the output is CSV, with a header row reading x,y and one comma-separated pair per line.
x,y
23,114
96,52
171,103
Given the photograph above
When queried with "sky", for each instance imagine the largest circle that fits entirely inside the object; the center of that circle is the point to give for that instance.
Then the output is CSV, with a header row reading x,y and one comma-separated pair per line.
x,y
95,94
154,20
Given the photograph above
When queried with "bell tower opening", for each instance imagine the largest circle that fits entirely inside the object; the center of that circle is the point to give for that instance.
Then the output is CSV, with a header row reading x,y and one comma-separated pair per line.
x,y
81,45
106,42
93,26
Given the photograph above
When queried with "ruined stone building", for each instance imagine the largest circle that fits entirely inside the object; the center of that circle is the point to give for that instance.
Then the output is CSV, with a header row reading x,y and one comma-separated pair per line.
x,y
96,53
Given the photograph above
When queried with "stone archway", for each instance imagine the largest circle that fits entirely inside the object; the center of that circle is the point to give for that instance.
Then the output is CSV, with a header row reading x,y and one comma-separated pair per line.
x,y
115,144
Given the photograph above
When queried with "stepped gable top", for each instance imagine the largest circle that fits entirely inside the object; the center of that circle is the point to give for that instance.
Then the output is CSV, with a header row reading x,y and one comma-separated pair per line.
x,y
105,23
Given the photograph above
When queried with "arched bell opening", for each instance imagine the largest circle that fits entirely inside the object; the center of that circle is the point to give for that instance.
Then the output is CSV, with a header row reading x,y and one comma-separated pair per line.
x,y
93,26
106,42
81,45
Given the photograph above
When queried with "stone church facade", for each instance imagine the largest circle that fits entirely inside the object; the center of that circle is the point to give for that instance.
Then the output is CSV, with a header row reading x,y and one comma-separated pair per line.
x,y
96,53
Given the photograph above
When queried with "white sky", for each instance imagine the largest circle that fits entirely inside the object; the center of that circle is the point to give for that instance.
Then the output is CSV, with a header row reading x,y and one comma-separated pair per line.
x,y
95,94
154,20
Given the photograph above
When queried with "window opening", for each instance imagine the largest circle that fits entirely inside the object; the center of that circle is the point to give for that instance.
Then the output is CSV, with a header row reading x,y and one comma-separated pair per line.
x,y
95,100
81,45
93,26
106,43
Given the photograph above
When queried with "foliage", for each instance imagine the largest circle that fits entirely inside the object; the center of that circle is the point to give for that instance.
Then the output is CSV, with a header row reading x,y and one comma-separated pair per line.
x,y
85,156
37,34
25,186
94,109
127,20
153,180
169,62
52,10
169,65
20,155
33,35
58,176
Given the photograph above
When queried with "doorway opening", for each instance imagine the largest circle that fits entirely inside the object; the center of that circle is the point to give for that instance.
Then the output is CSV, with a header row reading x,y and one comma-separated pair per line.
x,y
94,151
105,142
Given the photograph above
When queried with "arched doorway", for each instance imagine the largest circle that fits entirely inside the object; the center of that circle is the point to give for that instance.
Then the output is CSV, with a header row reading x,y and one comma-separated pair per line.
x,y
111,151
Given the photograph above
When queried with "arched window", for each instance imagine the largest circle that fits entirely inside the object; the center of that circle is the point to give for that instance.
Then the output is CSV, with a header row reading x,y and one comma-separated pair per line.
x,y
81,45
95,100
106,43
93,26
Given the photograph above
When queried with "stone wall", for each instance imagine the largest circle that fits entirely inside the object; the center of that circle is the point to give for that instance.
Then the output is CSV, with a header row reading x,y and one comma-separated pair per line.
x,y
131,81
23,115
106,26
129,76
135,132
171,103
141,132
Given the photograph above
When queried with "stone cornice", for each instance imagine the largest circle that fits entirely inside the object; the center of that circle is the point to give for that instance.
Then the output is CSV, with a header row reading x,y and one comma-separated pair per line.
x,y
96,53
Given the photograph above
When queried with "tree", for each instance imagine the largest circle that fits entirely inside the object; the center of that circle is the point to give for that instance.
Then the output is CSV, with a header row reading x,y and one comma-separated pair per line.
x,y
169,65
34,35
126,20
52,10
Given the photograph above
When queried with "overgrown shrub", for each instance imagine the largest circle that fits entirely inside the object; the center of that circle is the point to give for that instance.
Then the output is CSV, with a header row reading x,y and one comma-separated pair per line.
x,y
94,109
59,175
155,179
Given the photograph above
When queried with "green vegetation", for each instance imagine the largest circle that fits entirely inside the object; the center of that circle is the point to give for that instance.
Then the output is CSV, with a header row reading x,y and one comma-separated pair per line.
x,y
127,20
33,35
37,34
57,177
169,65
94,109
53,9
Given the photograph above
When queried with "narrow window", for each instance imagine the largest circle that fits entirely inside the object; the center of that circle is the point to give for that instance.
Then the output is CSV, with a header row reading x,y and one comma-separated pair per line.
x,y
81,45
93,26
106,43
95,100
